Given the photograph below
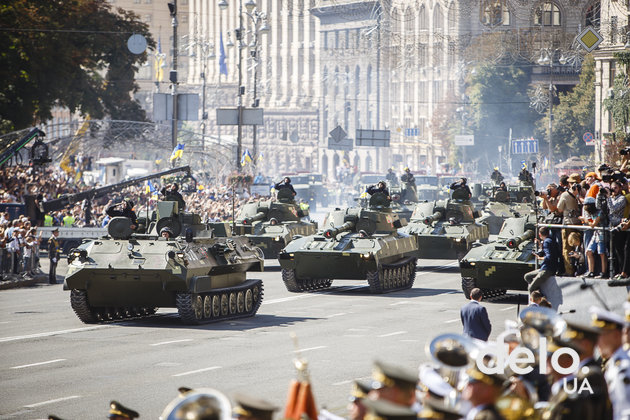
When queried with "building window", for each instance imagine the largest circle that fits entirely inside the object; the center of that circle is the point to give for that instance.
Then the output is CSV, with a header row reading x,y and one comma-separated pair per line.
x,y
137,1
494,13
148,1
438,18
548,15
423,18
593,15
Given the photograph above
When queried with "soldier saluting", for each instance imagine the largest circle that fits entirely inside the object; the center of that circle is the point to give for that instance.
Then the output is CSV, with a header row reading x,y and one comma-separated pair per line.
x,y
285,183
171,193
123,209
381,187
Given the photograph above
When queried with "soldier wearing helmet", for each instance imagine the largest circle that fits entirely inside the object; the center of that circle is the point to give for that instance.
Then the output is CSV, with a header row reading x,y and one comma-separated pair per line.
x,y
166,232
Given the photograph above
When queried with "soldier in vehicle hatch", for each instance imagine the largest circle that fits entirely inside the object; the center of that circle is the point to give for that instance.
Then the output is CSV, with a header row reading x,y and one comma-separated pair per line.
x,y
285,183
124,209
171,193
380,187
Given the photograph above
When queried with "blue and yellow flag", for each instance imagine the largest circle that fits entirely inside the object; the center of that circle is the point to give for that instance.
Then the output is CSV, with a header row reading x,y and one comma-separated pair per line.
x,y
246,158
523,164
159,62
178,151
150,188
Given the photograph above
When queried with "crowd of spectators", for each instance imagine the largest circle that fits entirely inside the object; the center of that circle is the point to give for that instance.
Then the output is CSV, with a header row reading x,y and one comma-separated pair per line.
x,y
600,198
19,238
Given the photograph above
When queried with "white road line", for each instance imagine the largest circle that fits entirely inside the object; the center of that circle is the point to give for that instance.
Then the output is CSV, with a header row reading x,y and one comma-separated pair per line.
x,y
509,308
450,321
51,333
171,342
394,333
339,314
39,404
404,302
341,383
309,349
197,371
38,364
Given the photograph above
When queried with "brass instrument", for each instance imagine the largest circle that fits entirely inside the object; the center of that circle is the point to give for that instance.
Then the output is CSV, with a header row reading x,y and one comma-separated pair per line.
x,y
201,403
453,353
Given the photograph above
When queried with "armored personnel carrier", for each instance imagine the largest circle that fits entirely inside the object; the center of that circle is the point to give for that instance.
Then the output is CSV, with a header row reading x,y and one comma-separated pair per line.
x,y
128,275
501,265
271,225
357,244
445,228
516,202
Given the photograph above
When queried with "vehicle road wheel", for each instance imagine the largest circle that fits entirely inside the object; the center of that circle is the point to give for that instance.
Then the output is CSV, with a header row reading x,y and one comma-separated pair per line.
x,y
216,306
249,300
207,307
232,303
240,302
468,283
225,307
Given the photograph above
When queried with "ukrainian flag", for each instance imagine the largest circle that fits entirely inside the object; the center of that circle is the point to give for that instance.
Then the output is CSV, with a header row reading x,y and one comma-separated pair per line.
x,y
178,151
150,188
246,158
523,164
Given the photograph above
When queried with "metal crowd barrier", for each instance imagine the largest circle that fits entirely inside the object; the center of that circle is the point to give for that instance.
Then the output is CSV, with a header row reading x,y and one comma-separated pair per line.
x,y
606,229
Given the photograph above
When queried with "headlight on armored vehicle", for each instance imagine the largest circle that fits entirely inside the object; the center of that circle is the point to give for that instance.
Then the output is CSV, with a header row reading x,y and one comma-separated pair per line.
x,y
367,256
277,239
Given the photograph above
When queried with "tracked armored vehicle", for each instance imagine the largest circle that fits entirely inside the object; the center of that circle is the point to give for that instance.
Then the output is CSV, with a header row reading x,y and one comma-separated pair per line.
x,y
445,228
516,202
126,275
271,225
357,244
501,265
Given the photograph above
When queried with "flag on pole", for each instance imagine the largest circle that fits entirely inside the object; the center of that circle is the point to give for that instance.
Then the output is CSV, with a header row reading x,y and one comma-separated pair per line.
x,y
246,158
523,164
159,62
178,151
150,188
222,63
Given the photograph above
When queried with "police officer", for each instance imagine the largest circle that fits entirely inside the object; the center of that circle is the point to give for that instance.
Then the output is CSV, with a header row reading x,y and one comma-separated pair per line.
x,y
393,383
285,183
117,411
123,209
171,193
381,187
54,250
250,408
617,361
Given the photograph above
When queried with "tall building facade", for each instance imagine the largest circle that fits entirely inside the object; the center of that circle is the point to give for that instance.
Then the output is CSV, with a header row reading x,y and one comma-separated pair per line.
x,y
616,33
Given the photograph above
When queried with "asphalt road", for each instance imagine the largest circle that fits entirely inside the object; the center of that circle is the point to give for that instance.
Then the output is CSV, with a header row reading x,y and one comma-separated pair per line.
x,y
51,363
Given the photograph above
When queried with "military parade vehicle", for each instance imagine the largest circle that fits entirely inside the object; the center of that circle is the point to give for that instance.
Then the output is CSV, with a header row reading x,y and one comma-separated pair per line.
x,y
501,265
517,201
356,244
427,187
445,228
71,237
129,275
271,225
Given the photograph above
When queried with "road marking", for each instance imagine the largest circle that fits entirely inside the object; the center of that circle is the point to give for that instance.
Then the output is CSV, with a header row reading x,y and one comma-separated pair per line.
x,y
39,404
400,303
450,321
171,342
38,364
508,308
339,314
309,349
51,333
394,333
197,371
341,383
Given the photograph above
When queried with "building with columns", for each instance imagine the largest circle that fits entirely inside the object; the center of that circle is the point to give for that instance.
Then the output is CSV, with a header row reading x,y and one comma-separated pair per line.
x,y
616,33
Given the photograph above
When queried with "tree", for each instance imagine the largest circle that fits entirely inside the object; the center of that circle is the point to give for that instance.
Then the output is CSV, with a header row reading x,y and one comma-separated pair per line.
x,y
618,101
68,53
574,115
498,103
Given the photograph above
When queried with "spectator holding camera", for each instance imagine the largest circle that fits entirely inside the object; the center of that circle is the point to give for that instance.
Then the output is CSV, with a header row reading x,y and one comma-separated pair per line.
x,y
593,239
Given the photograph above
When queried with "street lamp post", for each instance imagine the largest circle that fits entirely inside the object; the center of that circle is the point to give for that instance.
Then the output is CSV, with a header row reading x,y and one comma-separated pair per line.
x,y
172,7
546,59
257,18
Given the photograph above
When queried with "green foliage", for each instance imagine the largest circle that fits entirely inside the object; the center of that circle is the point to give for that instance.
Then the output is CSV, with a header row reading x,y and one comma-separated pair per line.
x,y
618,104
68,53
573,116
499,101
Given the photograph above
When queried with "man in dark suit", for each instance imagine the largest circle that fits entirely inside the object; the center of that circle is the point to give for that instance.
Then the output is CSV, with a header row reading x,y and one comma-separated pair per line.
x,y
475,317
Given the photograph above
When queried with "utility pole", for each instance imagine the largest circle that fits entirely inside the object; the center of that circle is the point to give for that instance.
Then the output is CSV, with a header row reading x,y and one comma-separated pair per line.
x,y
172,7
239,45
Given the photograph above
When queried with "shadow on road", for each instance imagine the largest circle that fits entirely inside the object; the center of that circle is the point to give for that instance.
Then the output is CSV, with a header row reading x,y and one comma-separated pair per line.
x,y
365,291
171,320
438,268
